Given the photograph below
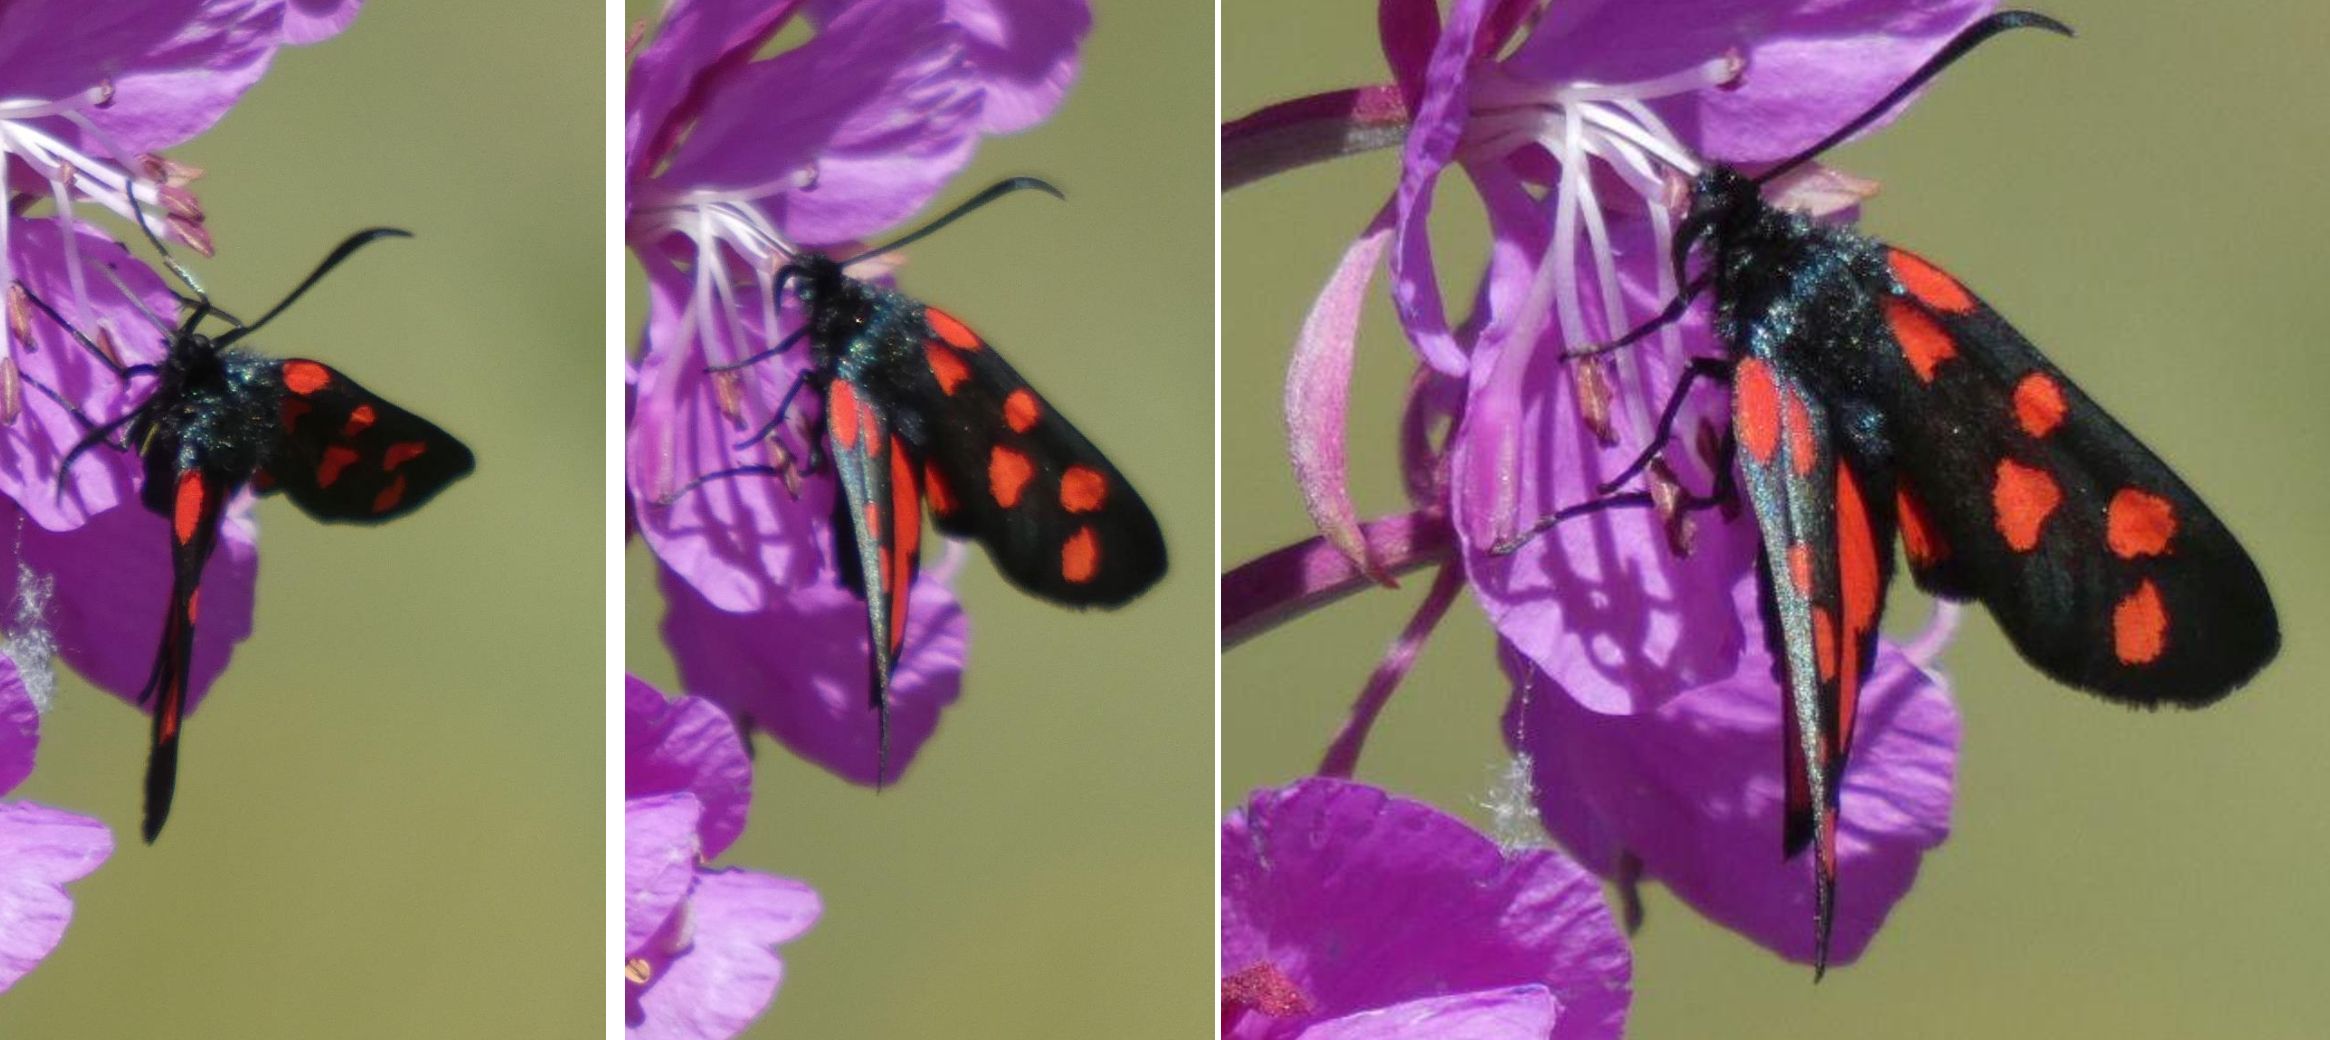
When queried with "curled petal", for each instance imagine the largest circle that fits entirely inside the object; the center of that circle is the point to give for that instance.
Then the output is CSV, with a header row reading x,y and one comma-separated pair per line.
x,y
687,745
41,850
660,850
1433,137
731,969
798,669
1318,389
308,21
1694,791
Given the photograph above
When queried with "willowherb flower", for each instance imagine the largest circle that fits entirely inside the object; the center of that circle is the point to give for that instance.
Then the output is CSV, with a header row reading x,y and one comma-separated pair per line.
x,y
1352,914
735,162
700,960
41,849
1689,793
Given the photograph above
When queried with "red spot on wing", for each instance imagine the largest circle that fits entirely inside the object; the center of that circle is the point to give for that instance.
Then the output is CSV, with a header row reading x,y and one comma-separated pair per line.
x,y
1008,472
946,366
1921,339
2139,524
1918,536
842,418
906,535
934,486
186,515
1800,568
1927,282
2140,626
1083,490
1862,589
305,377
294,409
1080,556
337,458
1755,410
193,606
1021,410
2024,498
400,453
359,420
950,330
389,496
1802,449
2038,404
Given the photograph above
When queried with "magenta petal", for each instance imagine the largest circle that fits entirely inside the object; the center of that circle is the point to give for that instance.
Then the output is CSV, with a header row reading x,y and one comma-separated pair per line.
x,y
1432,139
32,447
798,669
696,40
1025,51
112,587
659,862
41,850
1318,392
1364,900
686,745
307,21
173,91
730,970
1811,67
1512,1013
1694,790
877,111
19,727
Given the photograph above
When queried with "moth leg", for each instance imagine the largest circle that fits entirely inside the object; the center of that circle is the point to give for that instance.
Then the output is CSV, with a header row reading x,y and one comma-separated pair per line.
x,y
665,501
782,346
1723,494
784,406
1718,369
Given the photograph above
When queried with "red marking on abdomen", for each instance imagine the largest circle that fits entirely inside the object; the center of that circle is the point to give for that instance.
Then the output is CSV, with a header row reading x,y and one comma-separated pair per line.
x,y
950,330
400,453
2139,524
389,496
336,458
945,366
841,413
1755,410
2038,404
1080,556
1922,341
1804,451
1008,472
2140,626
305,377
1021,410
1925,545
1083,490
358,421
2024,498
1927,282
187,514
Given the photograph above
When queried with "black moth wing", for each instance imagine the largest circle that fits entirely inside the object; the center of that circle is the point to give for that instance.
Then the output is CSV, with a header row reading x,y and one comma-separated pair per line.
x,y
346,454
2102,566
1003,466
197,500
878,532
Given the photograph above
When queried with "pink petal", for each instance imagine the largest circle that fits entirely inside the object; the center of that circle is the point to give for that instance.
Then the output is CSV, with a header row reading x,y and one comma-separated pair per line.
x,y
659,862
41,850
1512,1013
687,745
730,973
307,21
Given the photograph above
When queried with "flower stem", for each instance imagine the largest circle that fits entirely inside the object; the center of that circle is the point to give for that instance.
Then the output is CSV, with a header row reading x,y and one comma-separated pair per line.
x,y
1314,129
1280,586
1342,756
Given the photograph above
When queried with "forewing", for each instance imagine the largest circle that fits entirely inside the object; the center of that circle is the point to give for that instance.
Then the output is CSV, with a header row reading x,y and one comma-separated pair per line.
x,y
346,454
1827,557
197,501
2103,567
1008,469
881,535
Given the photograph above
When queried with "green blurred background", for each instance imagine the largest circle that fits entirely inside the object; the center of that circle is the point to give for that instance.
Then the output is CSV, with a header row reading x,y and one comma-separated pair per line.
x,y
2143,202
1046,869
389,819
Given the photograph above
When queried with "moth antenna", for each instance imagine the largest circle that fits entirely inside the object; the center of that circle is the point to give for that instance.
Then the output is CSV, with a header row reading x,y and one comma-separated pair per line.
x,y
995,191
1967,39
138,212
342,252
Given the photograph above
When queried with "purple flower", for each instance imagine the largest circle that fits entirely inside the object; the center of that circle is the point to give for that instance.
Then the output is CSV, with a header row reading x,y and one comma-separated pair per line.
x,y
699,943
41,849
1689,793
1351,914
735,163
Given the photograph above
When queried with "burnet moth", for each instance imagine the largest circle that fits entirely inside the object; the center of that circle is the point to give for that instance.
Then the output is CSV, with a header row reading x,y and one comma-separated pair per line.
x,y
920,411
1873,396
220,418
